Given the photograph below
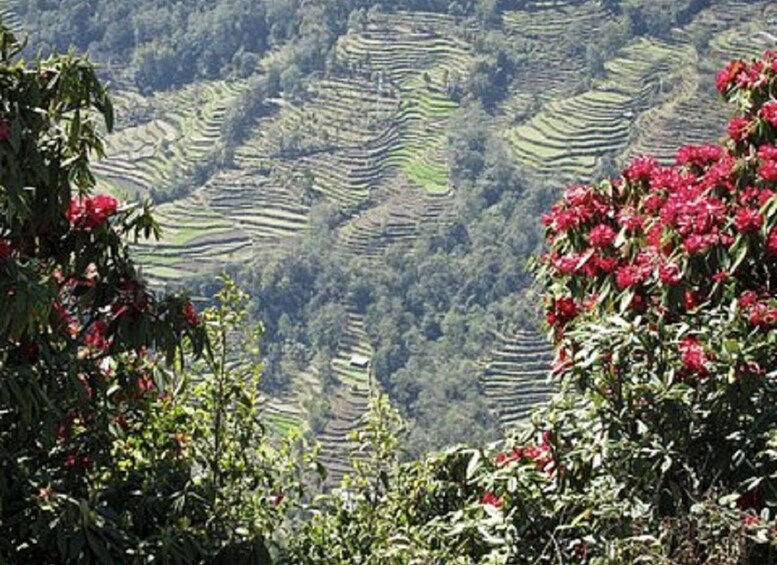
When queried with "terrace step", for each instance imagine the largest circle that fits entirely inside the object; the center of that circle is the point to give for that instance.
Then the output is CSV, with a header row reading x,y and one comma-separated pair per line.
x,y
515,375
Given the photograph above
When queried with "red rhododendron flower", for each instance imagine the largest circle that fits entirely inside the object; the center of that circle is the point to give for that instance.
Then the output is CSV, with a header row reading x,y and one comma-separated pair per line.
x,y
95,336
541,455
564,310
767,153
5,131
738,129
562,362
491,499
768,171
726,77
191,314
627,277
691,300
693,357
720,174
566,264
748,298
641,169
754,196
763,316
769,113
601,236
699,155
606,264
89,212
748,220
751,520
634,273
653,203
690,211
771,242
655,235
503,459
749,76
145,383
669,273
629,219
694,243
721,276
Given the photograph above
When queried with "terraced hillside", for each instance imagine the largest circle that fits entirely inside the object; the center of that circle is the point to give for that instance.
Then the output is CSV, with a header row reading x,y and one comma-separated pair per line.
x,y
551,69
175,134
351,394
691,114
569,136
515,375
370,137
9,15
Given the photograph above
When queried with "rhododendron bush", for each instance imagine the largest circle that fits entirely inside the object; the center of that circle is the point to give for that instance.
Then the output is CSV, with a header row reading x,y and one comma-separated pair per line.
x,y
662,298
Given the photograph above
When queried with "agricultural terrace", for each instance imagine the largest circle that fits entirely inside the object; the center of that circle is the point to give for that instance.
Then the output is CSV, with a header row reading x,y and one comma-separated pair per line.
x,y
552,67
349,399
418,57
691,114
569,136
516,375
9,16
168,139
195,240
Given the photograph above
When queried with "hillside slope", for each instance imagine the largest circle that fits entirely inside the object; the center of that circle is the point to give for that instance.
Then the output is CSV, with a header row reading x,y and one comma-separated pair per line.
x,y
368,139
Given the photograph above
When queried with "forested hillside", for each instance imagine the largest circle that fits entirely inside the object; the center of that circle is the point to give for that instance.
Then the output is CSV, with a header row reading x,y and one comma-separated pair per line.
x,y
374,172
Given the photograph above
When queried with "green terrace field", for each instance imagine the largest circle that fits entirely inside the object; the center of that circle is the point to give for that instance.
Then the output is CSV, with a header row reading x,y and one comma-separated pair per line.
x,y
570,134
369,137
551,69
349,396
196,240
691,113
9,16
177,133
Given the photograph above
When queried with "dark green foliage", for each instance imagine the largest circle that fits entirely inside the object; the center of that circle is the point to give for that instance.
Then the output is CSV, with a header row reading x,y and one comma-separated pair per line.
x,y
171,43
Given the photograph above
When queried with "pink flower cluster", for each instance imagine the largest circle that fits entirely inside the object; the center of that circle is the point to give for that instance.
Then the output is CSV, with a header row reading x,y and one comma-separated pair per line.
x,y
672,238
541,455
747,75
85,212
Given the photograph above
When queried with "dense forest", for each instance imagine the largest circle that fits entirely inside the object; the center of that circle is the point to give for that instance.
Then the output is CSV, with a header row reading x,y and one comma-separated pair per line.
x,y
431,306
170,43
